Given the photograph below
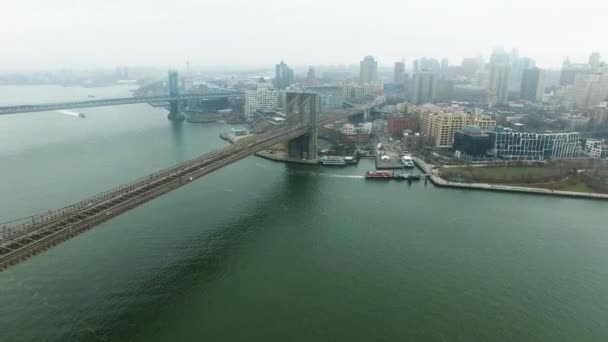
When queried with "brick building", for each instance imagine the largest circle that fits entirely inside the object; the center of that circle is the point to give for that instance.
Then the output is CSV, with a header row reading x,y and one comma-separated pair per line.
x,y
396,124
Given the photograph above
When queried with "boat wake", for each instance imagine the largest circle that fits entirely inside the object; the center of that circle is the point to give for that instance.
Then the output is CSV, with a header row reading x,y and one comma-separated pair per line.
x,y
68,112
330,175
341,176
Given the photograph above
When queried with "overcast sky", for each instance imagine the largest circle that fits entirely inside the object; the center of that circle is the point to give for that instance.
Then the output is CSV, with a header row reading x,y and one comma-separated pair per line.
x,y
86,33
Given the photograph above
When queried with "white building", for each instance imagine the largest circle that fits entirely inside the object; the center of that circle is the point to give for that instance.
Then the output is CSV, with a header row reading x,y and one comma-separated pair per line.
x,y
348,129
365,128
353,91
264,97
512,145
596,148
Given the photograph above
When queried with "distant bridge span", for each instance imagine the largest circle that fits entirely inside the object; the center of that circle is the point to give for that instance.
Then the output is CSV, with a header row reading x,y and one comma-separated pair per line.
x,y
205,95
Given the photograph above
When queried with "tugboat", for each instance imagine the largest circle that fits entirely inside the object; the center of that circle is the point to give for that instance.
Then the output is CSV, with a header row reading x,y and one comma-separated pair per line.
x,y
379,175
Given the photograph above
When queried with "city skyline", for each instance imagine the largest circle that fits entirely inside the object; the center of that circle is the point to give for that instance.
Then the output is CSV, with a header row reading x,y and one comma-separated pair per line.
x,y
303,170
105,33
385,68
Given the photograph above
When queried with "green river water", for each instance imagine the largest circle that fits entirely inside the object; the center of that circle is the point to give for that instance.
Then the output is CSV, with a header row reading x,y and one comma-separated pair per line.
x,y
263,251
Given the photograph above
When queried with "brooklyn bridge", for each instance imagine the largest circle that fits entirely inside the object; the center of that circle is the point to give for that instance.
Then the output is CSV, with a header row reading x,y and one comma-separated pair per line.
x,y
25,237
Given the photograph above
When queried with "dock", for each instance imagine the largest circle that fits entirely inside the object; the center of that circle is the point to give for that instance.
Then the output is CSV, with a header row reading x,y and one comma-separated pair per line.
x,y
388,164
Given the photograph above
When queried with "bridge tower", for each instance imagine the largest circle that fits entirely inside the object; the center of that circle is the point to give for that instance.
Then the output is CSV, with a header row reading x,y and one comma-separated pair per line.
x,y
174,113
304,106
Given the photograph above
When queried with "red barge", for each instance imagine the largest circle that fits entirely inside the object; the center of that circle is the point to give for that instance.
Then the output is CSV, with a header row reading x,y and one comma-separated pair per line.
x,y
379,175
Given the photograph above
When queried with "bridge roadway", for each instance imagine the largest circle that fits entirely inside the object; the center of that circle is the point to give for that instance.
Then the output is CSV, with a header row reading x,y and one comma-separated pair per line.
x,y
37,233
210,94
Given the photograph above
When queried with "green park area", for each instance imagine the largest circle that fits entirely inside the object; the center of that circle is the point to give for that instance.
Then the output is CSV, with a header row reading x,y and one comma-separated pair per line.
x,y
506,174
574,184
531,176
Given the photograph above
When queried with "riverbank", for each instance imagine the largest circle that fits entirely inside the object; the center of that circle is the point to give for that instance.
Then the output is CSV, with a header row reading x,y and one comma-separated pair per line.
x,y
430,170
433,175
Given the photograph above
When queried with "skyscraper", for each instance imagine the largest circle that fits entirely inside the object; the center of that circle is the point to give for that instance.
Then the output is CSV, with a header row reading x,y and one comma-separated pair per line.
x,y
532,84
571,70
469,66
122,73
173,83
498,84
526,63
518,65
514,54
425,87
590,90
311,79
500,56
283,76
444,68
399,73
368,71
426,64
594,61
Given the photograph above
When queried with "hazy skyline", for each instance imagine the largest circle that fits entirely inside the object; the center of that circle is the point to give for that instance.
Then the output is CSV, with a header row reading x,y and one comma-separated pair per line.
x,y
70,33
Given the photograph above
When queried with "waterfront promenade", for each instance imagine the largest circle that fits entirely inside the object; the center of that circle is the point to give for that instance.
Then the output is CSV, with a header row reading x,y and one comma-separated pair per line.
x,y
432,171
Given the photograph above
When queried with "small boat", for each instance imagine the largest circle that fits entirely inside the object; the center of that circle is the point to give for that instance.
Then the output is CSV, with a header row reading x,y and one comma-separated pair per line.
x,y
80,115
91,95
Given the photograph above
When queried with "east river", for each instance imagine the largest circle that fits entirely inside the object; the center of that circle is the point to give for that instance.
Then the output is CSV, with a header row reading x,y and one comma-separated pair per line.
x,y
263,251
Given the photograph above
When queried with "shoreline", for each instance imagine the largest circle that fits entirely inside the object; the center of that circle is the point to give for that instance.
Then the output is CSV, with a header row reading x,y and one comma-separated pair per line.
x,y
428,169
440,182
